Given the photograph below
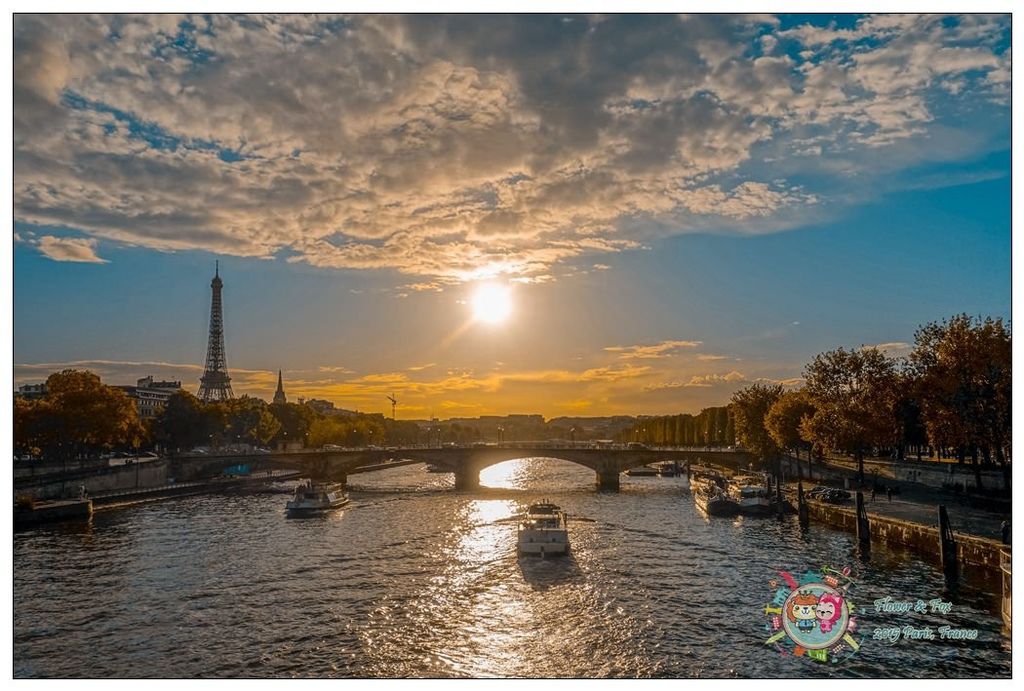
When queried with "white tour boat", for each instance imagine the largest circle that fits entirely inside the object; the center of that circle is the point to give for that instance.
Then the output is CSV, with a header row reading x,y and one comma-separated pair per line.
x,y
312,498
544,531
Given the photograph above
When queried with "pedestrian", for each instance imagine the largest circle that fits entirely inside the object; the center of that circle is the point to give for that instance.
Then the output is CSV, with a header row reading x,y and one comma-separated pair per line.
x,y
1004,529
872,492
888,493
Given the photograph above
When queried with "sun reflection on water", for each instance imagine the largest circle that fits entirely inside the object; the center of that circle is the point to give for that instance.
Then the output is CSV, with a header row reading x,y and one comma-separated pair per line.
x,y
507,475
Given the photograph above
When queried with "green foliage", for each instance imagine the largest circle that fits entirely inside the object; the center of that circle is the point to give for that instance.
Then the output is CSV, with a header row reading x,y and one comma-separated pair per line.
x,y
295,421
79,417
964,367
855,393
249,420
711,427
750,407
785,417
183,423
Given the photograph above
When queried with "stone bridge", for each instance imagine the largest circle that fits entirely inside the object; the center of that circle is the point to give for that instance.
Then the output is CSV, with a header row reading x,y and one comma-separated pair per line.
x,y
464,462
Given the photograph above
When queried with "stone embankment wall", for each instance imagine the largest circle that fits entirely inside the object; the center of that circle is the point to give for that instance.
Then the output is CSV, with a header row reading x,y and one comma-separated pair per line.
x,y
975,553
136,475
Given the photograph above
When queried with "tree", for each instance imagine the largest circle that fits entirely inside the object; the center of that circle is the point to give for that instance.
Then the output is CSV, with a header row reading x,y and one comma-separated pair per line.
x,y
853,392
750,406
81,415
29,432
183,422
295,421
785,417
964,365
249,420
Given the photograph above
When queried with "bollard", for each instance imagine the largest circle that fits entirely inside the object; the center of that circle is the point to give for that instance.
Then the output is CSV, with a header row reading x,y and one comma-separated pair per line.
x,y
863,527
947,547
802,510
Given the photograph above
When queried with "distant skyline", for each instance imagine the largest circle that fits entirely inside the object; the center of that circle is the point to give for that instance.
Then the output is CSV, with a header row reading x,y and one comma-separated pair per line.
x,y
679,206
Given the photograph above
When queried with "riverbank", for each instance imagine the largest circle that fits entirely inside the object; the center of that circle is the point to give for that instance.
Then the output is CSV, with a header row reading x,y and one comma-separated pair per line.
x,y
977,557
911,501
47,511
82,509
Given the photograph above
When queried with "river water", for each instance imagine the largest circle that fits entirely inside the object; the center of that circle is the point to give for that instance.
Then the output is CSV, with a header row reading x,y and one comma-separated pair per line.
x,y
413,579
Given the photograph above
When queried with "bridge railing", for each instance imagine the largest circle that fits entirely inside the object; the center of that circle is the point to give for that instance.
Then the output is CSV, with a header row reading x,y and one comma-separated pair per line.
x,y
525,445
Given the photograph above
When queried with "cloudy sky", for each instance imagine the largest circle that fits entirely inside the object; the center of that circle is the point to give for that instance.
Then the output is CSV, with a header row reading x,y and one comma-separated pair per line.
x,y
680,205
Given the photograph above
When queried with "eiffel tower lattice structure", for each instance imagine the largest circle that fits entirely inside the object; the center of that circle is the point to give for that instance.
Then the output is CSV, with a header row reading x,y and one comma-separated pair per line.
x,y
215,384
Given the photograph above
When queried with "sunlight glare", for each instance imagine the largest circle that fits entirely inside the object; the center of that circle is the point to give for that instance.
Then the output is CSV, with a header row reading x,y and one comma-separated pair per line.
x,y
492,303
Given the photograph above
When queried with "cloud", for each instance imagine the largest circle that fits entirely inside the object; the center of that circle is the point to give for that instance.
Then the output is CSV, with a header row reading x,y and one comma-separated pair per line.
x,y
663,349
657,386
455,147
69,249
893,348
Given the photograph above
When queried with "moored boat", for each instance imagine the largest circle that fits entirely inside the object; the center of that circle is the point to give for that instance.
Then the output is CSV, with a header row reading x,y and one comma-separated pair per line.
x,y
312,498
668,468
713,501
751,494
704,476
544,531
642,471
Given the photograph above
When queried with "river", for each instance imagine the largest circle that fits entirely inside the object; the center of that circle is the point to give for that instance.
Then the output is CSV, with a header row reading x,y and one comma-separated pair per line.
x,y
413,579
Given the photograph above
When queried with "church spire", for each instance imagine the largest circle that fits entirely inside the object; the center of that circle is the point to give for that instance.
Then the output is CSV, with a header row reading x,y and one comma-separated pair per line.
x,y
279,396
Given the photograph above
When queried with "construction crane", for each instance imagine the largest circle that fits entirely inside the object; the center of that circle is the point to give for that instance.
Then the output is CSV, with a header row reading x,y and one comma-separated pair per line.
x,y
394,404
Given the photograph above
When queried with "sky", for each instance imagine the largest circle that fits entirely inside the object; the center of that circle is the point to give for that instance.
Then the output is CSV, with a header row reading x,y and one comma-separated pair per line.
x,y
678,206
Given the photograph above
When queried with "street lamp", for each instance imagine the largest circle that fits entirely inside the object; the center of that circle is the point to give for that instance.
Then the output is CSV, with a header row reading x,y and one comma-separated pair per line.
x,y
501,434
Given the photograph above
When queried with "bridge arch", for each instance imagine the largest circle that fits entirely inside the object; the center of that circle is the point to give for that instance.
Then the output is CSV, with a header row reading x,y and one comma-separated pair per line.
x,y
465,462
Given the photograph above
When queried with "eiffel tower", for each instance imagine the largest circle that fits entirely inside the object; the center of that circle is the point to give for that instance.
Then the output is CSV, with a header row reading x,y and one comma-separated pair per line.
x,y
215,384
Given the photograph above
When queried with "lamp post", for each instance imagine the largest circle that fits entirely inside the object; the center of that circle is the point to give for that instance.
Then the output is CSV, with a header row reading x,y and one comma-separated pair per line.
x,y
501,434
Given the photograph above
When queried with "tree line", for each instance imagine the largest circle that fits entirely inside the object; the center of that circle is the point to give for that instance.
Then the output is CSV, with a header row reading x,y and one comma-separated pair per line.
x,y
80,418
950,396
714,426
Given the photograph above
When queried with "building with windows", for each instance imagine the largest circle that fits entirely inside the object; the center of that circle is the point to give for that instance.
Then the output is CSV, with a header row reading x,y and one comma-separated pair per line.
x,y
151,396
32,391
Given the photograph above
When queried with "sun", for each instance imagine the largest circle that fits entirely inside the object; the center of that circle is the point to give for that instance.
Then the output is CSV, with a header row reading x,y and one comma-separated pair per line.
x,y
491,303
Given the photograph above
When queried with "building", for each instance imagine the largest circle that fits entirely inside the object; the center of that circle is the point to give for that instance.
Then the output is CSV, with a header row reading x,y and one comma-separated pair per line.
x,y
150,396
321,406
279,397
327,407
32,391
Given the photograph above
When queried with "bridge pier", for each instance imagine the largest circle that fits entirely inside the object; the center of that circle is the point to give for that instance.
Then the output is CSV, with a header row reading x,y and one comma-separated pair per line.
x,y
467,478
608,480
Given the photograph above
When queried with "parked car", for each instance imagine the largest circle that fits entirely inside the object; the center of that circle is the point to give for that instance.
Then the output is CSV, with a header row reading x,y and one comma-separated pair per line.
x,y
835,496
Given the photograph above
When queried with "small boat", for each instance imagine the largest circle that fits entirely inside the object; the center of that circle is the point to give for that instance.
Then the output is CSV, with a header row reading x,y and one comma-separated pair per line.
x,y
642,471
668,468
752,495
702,475
434,468
544,531
312,498
714,501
